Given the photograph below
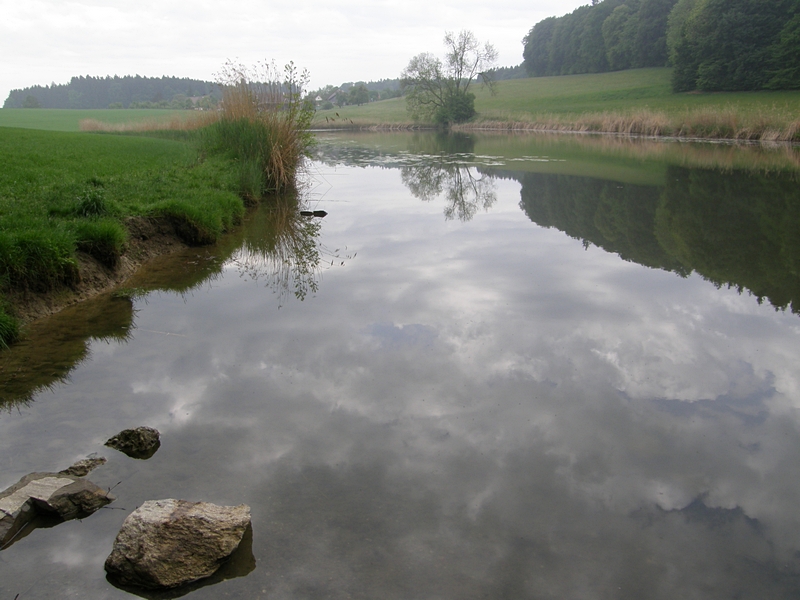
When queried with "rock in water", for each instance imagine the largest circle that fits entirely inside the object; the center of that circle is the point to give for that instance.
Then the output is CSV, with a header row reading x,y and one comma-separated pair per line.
x,y
66,496
84,466
141,442
168,543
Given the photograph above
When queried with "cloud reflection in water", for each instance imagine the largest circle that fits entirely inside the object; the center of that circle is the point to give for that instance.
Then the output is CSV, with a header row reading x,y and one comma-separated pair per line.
x,y
465,413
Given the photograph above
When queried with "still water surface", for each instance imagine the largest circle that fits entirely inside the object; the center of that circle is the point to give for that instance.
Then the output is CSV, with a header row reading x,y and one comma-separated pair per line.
x,y
500,367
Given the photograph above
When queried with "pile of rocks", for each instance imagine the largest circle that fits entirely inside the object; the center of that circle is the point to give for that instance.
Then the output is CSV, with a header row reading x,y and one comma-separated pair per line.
x,y
162,544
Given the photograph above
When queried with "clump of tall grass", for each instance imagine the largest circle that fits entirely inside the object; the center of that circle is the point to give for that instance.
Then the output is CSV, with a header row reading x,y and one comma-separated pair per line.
x,y
38,259
263,125
103,239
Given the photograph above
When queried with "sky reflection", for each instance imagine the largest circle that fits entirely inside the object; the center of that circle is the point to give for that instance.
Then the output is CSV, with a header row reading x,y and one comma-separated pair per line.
x,y
462,409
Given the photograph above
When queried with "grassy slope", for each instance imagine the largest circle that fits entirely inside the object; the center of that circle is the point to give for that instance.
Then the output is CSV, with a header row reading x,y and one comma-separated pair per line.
x,y
61,192
574,95
58,119
50,171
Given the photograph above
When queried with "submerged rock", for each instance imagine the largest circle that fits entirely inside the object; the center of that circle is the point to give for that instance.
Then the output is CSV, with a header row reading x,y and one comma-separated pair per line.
x,y
169,543
84,466
141,442
58,494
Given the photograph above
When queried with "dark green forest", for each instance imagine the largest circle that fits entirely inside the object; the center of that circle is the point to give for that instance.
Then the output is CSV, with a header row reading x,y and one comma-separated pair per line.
x,y
117,92
735,45
605,36
714,45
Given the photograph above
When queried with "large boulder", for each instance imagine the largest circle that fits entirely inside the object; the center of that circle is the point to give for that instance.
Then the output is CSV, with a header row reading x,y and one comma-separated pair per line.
x,y
63,495
141,442
169,543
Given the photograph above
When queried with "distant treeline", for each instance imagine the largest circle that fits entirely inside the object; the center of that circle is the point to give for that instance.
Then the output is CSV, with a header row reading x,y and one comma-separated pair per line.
x,y
605,36
714,45
116,92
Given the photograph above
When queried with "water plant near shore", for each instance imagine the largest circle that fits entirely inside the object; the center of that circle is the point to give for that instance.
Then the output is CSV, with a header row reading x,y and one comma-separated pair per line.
x,y
263,126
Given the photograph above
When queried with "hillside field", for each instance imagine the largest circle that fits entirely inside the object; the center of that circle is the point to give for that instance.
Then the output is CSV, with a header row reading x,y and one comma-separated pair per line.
x,y
572,98
64,119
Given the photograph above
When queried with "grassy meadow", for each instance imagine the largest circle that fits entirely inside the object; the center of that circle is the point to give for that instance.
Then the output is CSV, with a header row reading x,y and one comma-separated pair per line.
x,y
63,119
64,191
637,101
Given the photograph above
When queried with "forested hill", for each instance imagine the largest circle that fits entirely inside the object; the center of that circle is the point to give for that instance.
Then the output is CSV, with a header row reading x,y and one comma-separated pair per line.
x,y
119,92
605,36
714,45
729,45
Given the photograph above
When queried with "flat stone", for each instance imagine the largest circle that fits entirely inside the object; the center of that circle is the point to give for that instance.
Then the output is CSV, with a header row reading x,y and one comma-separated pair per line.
x,y
169,543
84,466
66,496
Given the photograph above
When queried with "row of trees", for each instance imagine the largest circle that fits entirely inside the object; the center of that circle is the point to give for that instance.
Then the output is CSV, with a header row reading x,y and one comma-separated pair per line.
x,y
102,92
605,36
731,45
714,45
357,93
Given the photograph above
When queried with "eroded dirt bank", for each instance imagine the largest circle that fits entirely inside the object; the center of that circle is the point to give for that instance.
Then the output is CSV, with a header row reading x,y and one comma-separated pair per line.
x,y
147,238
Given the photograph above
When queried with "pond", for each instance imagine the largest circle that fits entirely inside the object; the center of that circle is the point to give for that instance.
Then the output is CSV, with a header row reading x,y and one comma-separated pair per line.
x,y
498,367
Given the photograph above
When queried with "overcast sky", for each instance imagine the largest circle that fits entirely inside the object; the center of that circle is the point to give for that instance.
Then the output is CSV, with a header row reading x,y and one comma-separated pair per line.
x,y
46,41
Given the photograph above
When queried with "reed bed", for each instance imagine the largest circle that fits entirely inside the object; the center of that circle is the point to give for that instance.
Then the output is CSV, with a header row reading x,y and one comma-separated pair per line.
x,y
262,124
728,123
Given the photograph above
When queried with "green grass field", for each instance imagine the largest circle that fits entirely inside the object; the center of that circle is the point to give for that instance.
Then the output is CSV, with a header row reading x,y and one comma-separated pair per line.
x,y
61,192
57,119
572,99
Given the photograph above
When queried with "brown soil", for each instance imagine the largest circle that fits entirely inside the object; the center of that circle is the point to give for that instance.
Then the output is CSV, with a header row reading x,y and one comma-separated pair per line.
x,y
147,238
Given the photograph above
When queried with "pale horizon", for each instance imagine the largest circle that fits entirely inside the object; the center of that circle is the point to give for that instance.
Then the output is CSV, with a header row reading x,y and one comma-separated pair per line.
x,y
49,42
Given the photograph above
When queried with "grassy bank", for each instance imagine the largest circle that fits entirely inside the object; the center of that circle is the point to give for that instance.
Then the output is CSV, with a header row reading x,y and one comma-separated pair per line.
x,y
64,193
638,101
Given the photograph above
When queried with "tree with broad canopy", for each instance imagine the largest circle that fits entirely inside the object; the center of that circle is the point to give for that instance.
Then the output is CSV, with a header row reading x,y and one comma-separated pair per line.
x,y
439,91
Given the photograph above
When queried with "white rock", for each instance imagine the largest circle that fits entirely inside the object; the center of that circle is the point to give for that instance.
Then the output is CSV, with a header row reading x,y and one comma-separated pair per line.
x,y
168,543
67,496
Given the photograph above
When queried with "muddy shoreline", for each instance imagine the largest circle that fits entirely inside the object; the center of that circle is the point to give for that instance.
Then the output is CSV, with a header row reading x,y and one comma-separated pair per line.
x,y
148,238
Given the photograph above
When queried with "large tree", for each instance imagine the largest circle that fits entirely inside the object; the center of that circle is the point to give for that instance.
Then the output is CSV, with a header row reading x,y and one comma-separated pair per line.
x,y
440,91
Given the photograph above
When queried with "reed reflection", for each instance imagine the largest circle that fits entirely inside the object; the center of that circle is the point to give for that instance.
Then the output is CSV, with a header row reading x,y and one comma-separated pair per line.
x,y
286,252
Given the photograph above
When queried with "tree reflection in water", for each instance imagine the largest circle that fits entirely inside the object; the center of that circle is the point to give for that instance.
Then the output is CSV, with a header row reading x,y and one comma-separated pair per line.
x,y
464,189
285,252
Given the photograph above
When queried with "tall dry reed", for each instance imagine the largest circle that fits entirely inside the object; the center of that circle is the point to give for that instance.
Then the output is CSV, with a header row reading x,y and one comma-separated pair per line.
x,y
264,124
